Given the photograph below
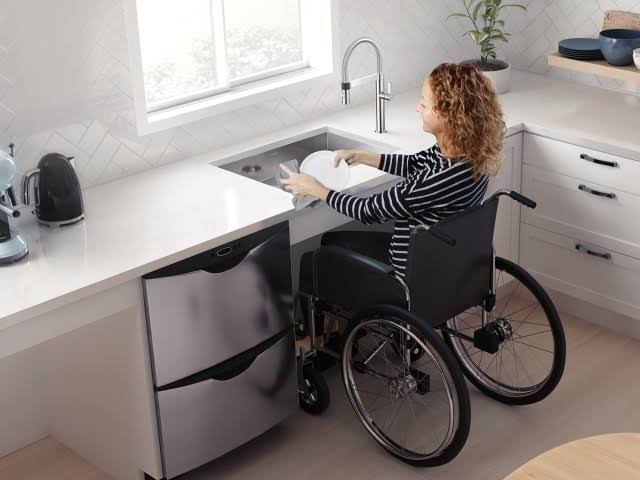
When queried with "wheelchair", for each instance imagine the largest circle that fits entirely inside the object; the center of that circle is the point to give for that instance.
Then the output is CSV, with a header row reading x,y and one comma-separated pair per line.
x,y
407,345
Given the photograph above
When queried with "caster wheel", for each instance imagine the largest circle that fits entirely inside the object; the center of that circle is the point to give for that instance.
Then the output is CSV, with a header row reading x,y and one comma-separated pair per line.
x,y
318,397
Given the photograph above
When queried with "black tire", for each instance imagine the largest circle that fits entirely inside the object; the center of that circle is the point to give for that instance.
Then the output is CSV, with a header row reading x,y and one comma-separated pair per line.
x,y
557,333
320,397
445,360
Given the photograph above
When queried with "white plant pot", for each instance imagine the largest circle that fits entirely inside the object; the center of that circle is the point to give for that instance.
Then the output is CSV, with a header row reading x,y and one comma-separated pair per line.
x,y
500,79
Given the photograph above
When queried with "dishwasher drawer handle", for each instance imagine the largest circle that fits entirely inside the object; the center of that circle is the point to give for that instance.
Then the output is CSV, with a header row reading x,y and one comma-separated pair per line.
x,y
606,163
593,253
229,369
597,193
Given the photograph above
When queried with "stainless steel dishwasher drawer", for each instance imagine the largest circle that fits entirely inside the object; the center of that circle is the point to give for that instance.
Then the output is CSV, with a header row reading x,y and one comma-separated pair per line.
x,y
203,420
210,307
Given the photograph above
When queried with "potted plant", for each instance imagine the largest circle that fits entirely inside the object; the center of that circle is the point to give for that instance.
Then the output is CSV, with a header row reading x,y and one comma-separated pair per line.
x,y
488,28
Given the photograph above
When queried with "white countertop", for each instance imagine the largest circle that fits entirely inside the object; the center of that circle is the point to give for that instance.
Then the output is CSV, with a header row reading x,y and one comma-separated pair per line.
x,y
146,221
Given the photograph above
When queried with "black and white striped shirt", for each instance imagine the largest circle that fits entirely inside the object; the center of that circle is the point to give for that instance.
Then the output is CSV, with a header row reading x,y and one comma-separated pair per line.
x,y
433,188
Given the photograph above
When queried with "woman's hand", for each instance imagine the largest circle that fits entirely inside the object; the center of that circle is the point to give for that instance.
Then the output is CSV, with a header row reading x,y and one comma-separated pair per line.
x,y
304,185
358,156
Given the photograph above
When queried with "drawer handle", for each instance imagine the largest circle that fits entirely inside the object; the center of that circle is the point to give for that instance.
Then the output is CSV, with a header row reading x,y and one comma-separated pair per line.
x,y
591,159
593,253
224,251
598,193
230,368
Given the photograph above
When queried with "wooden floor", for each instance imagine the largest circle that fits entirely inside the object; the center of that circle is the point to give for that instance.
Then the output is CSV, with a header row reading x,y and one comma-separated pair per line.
x,y
47,459
600,393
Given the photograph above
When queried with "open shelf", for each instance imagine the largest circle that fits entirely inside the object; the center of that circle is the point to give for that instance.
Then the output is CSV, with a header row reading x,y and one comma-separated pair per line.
x,y
596,67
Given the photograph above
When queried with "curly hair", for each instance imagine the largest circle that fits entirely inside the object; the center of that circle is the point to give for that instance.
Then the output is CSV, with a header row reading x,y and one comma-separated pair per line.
x,y
471,116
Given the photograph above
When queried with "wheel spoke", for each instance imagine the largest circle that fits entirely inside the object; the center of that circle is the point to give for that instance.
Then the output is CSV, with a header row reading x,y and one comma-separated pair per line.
x,y
509,299
524,367
532,332
409,423
534,304
532,346
519,337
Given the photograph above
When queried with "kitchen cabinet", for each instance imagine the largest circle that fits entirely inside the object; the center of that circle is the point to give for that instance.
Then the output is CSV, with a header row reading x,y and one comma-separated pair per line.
x,y
581,240
588,210
586,271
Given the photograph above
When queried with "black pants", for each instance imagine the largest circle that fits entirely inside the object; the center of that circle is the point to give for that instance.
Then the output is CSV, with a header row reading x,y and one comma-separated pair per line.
x,y
370,244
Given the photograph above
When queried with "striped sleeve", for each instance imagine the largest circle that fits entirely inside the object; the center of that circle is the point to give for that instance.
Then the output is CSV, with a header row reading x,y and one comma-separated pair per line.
x,y
402,165
378,208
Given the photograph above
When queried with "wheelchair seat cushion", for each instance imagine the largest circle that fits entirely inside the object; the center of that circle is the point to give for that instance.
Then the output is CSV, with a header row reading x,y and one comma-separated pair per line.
x,y
346,278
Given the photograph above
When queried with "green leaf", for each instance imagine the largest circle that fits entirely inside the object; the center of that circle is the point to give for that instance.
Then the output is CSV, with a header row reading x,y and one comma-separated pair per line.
x,y
472,33
500,37
457,15
479,37
513,5
476,10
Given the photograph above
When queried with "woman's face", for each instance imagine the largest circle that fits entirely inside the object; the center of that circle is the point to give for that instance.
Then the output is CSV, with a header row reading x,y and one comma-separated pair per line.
x,y
430,119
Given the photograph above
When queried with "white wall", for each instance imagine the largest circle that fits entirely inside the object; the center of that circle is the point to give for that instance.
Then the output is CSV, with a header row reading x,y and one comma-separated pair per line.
x,y
65,83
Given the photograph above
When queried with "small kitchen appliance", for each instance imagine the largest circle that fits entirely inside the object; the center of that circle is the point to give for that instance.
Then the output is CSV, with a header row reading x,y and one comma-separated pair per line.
x,y
12,245
58,198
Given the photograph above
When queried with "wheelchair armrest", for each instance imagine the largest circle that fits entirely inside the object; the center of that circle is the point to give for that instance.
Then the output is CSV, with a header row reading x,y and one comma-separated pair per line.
x,y
341,257
346,278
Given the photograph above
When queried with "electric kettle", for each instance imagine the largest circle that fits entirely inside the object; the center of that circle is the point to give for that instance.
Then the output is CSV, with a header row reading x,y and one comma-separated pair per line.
x,y
58,198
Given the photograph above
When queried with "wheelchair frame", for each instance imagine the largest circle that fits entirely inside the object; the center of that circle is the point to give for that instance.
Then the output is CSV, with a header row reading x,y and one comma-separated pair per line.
x,y
425,318
312,301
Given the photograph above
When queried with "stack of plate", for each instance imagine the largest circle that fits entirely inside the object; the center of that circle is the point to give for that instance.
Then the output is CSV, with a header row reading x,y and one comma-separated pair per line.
x,y
580,48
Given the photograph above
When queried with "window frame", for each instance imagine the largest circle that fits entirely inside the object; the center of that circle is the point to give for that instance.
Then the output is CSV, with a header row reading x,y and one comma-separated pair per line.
x,y
318,66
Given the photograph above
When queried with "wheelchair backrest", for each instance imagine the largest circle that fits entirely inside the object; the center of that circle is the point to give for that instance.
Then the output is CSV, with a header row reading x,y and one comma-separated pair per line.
x,y
446,280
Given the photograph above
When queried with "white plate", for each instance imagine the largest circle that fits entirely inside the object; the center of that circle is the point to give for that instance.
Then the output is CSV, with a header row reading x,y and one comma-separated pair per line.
x,y
321,166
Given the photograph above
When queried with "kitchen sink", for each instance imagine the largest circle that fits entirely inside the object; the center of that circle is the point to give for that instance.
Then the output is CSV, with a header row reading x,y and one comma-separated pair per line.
x,y
262,164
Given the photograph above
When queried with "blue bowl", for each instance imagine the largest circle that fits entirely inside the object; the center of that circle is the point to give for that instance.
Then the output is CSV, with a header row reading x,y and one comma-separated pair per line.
x,y
617,45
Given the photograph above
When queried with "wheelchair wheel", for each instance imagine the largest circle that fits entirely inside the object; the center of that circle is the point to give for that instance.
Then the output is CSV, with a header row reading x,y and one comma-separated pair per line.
x,y
415,406
317,400
530,356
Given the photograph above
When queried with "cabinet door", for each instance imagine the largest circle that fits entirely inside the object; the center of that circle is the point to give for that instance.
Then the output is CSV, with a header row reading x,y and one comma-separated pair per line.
x,y
507,232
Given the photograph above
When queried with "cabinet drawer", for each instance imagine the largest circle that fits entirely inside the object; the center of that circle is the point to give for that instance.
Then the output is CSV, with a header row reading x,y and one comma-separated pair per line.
x,y
203,421
591,165
566,205
230,303
583,270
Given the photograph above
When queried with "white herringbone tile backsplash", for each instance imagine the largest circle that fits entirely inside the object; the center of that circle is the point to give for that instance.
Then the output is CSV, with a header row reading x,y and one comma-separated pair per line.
x,y
65,83
546,22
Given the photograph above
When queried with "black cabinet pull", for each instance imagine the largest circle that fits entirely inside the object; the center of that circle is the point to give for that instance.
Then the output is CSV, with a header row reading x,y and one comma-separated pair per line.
x,y
593,253
598,193
606,163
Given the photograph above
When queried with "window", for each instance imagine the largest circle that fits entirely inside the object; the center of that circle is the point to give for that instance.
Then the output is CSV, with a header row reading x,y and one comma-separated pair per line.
x,y
190,51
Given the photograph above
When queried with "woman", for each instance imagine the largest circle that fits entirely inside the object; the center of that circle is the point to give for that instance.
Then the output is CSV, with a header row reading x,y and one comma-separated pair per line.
x,y
460,108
